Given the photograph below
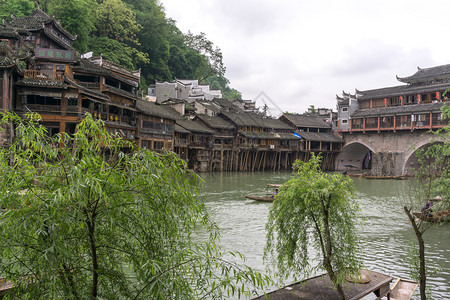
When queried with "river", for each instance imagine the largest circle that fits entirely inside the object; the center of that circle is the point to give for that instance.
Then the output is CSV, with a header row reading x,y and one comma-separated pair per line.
x,y
385,236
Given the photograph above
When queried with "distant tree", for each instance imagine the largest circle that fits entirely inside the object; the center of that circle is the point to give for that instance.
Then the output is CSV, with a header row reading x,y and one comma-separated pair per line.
x,y
117,22
222,83
89,216
20,8
312,109
431,180
77,17
202,45
314,209
114,51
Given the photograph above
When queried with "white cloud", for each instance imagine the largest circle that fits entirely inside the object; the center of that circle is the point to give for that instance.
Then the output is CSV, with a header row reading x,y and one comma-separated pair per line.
x,y
305,52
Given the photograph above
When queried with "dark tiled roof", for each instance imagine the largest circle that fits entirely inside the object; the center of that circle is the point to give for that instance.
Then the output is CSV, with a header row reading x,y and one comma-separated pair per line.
x,y
306,121
401,91
251,119
180,129
398,110
194,126
268,135
383,92
242,119
35,22
427,73
42,83
7,62
275,124
86,90
87,66
121,92
215,122
153,109
8,32
320,137
84,64
226,104
210,105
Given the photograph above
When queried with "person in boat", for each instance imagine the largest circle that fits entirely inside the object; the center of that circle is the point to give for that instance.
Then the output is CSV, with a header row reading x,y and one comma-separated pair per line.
x,y
275,192
426,210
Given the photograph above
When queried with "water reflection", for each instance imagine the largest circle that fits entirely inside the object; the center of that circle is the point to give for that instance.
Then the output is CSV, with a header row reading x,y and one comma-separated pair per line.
x,y
386,234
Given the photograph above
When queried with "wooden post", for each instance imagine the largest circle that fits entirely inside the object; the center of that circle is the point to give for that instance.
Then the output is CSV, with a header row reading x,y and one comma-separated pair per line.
x,y
80,101
431,120
264,163
279,161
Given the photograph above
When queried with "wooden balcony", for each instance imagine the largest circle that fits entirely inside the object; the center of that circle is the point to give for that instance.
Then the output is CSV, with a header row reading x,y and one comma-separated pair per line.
x,y
401,122
90,85
44,75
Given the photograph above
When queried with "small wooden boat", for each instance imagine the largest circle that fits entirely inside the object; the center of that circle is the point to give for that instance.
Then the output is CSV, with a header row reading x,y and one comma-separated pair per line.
x,y
5,287
269,197
433,218
385,177
403,289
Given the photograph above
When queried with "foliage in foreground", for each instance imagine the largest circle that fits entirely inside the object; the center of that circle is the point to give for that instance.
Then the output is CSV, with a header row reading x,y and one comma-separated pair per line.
x,y
83,219
313,220
431,180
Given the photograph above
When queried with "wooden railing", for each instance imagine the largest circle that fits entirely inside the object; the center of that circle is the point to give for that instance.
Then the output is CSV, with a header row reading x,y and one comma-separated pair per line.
x,y
402,122
44,75
90,85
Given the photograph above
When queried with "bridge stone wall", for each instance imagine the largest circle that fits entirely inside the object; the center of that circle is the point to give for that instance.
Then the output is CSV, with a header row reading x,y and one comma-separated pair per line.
x,y
391,152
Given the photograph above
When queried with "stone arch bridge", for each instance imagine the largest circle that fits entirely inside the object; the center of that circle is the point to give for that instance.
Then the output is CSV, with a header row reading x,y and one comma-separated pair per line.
x,y
384,153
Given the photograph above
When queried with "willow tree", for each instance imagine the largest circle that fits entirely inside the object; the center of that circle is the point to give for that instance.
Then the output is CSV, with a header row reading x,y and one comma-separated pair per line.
x,y
313,220
89,216
431,182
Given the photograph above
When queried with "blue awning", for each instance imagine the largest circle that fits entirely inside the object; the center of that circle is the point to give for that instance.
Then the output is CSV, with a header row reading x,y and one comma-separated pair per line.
x,y
297,135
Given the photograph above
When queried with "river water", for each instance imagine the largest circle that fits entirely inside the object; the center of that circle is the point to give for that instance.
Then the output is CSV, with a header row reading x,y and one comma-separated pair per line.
x,y
385,236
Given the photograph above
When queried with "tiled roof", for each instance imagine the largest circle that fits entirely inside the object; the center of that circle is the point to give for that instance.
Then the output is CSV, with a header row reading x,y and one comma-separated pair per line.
x,y
215,122
7,62
427,73
275,124
210,105
84,64
42,83
268,135
86,90
306,121
194,126
226,104
180,129
242,119
153,109
398,110
251,119
320,137
35,22
402,90
121,92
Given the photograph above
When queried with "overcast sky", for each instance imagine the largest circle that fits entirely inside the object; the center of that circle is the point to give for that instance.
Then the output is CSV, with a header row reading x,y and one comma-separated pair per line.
x,y
304,52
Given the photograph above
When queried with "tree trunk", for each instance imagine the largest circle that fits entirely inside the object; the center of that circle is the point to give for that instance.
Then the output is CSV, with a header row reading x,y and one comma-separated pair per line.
x,y
422,272
91,228
328,248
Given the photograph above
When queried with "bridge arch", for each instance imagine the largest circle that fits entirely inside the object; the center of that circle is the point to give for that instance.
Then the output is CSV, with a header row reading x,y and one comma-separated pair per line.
x,y
411,160
352,156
